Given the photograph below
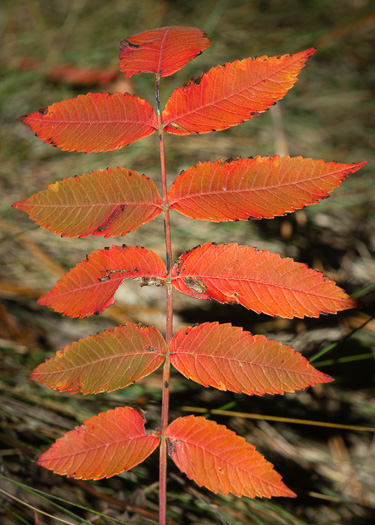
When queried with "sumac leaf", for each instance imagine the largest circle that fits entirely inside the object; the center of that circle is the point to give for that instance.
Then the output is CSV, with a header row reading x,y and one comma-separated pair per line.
x,y
79,75
228,358
259,280
106,202
216,458
105,445
230,94
89,288
162,51
93,122
105,362
263,187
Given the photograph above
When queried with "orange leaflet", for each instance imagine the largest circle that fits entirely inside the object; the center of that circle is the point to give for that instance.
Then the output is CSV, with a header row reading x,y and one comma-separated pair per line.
x,y
103,446
216,458
94,122
162,51
259,280
230,94
106,202
105,362
260,187
89,288
228,358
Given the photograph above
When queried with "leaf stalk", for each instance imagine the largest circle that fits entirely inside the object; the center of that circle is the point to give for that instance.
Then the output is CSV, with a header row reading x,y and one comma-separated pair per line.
x,y
169,317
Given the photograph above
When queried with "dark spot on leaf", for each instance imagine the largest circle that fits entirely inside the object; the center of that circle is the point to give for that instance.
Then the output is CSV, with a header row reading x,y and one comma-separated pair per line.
x,y
166,384
171,447
144,282
177,265
43,111
111,218
139,410
104,279
126,43
193,80
232,159
198,80
150,349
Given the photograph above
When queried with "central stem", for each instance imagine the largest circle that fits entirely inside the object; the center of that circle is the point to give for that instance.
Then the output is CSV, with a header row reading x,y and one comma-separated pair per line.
x,y
169,320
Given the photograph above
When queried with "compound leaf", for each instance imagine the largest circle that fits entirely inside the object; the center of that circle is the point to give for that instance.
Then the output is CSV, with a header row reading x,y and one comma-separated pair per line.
x,y
105,362
230,94
105,445
162,51
93,122
259,280
228,358
106,202
263,187
89,288
216,458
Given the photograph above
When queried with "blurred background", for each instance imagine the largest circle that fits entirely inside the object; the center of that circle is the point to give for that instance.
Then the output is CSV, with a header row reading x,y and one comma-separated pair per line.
x,y
53,50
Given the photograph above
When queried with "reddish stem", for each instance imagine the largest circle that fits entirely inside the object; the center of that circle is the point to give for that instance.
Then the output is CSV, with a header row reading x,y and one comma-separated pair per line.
x,y
169,320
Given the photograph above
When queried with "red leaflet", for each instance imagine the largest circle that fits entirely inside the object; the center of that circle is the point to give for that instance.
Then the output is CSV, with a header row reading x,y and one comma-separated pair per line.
x,y
103,446
162,51
216,458
263,187
106,202
227,358
259,280
72,74
230,94
78,75
105,362
93,122
89,288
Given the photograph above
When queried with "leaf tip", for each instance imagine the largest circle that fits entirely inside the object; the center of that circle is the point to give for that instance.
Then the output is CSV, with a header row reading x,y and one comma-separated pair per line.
x,y
359,165
18,205
309,52
353,303
42,300
289,493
